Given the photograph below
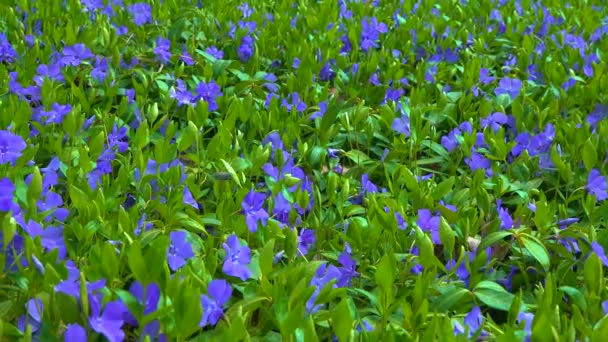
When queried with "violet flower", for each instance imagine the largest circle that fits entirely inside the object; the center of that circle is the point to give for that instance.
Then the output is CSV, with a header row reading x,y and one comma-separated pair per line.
x,y
209,92
293,101
305,240
245,50
11,147
34,311
367,185
596,185
494,120
179,250
141,13
510,86
402,125
429,223
74,332
7,190
370,33
479,162
219,293
161,51
324,274
73,55
252,208
215,52
348,269
110,321
7,52
599,251
237,258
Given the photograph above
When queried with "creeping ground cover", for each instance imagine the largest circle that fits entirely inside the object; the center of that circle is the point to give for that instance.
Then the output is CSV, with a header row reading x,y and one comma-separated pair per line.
x,y
176,170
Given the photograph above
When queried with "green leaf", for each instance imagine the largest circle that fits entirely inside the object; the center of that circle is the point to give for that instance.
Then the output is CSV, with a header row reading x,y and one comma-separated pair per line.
x,y
577,296
137,263
493,295
447,236
358,157
188,310
34,189
188,136
491,238
537,249
266,258
593,274
230,170
443,188
450,298
342,320
600,330
589,154
385,276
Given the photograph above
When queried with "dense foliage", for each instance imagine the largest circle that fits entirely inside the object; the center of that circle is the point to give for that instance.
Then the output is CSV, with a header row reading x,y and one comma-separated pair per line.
x,y
303,170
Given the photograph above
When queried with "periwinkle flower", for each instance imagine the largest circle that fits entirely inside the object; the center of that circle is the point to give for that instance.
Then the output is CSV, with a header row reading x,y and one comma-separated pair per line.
x,y
11,147
141,13
479,162
429,223
246,48
402,125
509,86
367,185
237,258
219,293
599,251
7,52
348,269
450,141
527,319
370,33
596,185
179,250
73,55
305,240
161,51
56,114
506,221
252,208
7,190
495,121
209,92
324,274
181,93
34,309
215,52
74,332
293,101
109,321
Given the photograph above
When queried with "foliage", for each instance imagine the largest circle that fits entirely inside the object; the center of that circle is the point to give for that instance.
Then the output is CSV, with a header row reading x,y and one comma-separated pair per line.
x,y
303,170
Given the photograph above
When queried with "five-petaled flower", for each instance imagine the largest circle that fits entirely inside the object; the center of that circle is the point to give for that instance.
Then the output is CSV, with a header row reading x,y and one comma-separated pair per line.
x,y
596,185
237,258
11,146
219,293
252,208
179,251
509,86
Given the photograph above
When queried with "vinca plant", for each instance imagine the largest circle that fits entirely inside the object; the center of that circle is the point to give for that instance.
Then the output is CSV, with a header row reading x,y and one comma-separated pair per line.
x,y
290,170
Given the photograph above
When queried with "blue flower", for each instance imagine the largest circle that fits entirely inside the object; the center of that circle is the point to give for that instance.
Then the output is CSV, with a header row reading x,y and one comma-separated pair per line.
x,y
219,293
141,13
179,250
254,213
509,86
596,185
237,258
